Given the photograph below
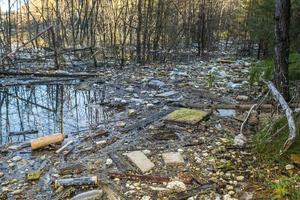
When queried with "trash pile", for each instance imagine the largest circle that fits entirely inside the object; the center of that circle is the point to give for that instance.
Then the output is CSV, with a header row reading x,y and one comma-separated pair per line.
x,y
163,139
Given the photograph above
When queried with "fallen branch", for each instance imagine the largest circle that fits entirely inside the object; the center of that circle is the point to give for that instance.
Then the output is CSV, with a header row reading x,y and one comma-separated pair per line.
x,y
265,107
288,112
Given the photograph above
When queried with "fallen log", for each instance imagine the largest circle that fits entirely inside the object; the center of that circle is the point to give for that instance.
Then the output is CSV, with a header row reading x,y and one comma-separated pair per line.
x,y
265,107
46,140
288,112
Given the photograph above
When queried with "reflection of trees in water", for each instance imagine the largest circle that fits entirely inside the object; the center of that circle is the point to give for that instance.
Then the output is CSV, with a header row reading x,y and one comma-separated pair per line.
x,y
48,109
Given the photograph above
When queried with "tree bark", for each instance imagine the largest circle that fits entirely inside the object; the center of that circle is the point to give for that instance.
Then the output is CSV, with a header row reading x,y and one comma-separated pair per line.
x,y
281,56
138,32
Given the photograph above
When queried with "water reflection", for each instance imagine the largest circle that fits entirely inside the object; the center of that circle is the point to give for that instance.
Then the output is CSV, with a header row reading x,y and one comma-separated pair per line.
x,y
47,109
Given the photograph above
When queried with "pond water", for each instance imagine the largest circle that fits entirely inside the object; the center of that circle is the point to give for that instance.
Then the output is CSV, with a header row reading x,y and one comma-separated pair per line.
x,y
48,109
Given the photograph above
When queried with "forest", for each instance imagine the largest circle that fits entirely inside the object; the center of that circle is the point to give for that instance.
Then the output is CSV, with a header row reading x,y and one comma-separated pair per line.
x,y
150,99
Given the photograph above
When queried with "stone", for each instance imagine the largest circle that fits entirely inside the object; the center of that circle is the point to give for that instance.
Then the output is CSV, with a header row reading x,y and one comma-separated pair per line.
x,y
145,198
176,186
16,158
17,192
156,84
289,167
130,89
131,112
240,140
109,162
150,106
1,174
140,160
242,98
101,142
173,158
246,196
89,195
240,178
186,116
121,124
33,176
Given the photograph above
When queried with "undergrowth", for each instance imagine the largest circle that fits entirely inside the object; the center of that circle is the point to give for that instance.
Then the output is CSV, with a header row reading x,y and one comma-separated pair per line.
x,y
264,69
267,146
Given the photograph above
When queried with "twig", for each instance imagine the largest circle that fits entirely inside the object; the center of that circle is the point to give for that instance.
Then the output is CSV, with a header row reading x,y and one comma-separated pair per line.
x,y
246,119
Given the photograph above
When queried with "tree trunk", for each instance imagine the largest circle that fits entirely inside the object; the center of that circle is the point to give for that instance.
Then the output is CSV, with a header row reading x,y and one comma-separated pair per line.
x,y
138,32
281,56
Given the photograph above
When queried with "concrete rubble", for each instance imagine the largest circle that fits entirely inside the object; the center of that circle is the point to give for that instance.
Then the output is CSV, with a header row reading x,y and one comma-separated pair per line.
x,y
146,147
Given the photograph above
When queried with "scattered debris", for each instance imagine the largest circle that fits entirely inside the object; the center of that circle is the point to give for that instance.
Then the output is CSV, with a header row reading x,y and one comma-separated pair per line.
x,y
92,180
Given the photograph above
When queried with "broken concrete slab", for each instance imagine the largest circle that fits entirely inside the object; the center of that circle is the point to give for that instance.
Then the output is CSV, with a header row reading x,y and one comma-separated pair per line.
x,y
186,116
140,160
173,158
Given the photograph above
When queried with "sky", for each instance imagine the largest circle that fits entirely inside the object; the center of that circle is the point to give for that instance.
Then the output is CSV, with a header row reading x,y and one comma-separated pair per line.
x,y
4,4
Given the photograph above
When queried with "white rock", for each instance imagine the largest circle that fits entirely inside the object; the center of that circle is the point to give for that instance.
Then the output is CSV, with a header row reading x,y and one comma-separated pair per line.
x,y
109,162
240,140
131,112
240,178
242,98
16,158
176,186
145,198
150,106
289,167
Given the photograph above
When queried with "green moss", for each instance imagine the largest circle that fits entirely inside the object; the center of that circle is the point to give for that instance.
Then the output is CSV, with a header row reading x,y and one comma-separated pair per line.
x,y
188,116
35,175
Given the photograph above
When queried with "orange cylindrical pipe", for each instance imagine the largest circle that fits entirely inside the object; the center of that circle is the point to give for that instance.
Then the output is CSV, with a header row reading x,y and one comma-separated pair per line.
x,y
46,140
